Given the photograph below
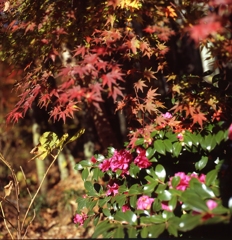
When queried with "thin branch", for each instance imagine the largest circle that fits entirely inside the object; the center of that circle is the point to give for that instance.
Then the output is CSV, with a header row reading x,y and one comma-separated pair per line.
x,y
5,221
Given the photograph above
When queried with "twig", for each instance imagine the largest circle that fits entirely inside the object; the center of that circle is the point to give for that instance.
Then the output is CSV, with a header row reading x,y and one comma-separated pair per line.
x,y
40,185
5,221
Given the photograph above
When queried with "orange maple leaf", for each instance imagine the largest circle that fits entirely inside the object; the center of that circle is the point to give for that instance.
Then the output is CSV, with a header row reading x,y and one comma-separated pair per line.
x,y
199,117
139,85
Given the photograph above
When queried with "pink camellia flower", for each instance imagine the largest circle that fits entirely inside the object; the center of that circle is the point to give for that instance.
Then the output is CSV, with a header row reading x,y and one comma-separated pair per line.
x,y
144,202
141,160
180,136
120,161
185,179
80,218
164,206
167,115
211,204
230,132
112,189
125,208
105,165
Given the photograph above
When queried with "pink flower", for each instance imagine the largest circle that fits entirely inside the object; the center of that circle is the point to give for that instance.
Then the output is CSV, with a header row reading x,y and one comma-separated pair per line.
x,y
120,161
144,202
180,136
112,189
230,132
80,218
105,165
125,208
164,206
141,160
211,204
185,179
167,115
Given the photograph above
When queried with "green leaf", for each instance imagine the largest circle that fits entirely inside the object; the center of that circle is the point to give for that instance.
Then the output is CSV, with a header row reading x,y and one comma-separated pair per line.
x,y
168,145
149,187
135,189
172,230
106,212
96,219
97,173
175,181
101,228
119,199
150,152
81,203
85,163
159,146
133,201
144,232
132,233
210,142
202,163
177,147
160,172
160,188
189,221
211,177
119,232
78,167
134,169
173,202
194,201
103,201
188,140
85,174
196,138
155,230
139,141
90,188
165,195
152,219
127,216
219,137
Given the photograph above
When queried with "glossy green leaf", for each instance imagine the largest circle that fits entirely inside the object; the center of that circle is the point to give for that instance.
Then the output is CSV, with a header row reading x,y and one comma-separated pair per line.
x,y
202,163
175,181
85,163
194,201
150,187
91,204
128,216
168,145
219,137
85,174
211,177
102,227
173,202
189,221
196,138
134,170
160,172
165,195
133,201
159,146
152,219
97,173
172,230
154,231
188,140
160,188
177,147
150,152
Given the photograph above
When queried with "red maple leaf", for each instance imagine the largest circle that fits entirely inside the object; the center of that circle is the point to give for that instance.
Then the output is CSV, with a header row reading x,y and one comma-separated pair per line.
x,y
199,117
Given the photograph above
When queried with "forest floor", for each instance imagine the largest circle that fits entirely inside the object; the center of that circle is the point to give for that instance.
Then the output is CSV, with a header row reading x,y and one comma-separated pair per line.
x,y
54,211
